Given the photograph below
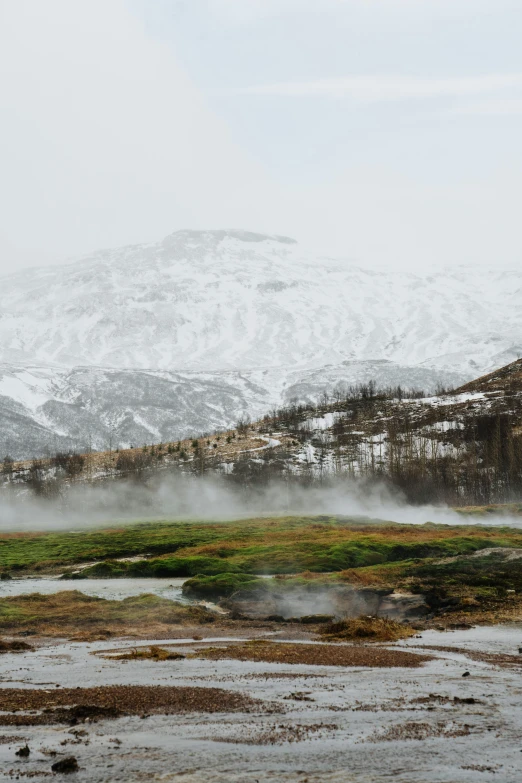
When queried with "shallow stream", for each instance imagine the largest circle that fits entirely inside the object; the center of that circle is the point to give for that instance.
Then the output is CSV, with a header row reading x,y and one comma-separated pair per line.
x,y
324,724
113,589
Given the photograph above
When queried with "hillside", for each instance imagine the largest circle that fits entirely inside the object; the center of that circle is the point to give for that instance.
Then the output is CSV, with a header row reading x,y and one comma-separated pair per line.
x,y
48,409
507,379
461,447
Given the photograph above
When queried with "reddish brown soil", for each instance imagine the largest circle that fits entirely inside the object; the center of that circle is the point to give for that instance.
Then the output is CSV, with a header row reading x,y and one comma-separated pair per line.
x,y
315,654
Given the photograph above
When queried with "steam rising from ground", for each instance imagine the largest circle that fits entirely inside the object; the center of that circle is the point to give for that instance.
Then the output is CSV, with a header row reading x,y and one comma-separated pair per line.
x,y
336,600
207,498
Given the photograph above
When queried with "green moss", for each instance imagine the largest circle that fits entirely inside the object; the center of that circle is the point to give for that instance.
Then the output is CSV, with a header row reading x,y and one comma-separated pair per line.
x,y
167,567
217,587
283,545
71,609
480,572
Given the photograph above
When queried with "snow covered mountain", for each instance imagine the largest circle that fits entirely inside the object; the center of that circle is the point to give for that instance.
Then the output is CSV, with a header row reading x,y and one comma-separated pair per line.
x,y
216,300
154,341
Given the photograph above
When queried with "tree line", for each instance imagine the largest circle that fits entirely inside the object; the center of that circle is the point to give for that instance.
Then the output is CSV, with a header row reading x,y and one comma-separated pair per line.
x,y
475,458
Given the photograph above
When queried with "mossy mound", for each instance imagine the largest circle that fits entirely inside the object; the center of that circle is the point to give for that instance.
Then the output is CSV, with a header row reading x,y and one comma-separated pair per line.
x,y
214,588
165,567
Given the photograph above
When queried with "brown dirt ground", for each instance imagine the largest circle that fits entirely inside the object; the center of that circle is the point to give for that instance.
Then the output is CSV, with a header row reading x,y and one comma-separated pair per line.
x,y
32,707
314,654
368,629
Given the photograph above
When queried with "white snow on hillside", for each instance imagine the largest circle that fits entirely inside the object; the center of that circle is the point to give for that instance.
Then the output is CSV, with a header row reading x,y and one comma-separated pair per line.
x,y
217,300
159,340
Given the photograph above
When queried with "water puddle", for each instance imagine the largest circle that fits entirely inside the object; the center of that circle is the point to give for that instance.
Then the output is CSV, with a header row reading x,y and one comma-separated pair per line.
x,y
112,589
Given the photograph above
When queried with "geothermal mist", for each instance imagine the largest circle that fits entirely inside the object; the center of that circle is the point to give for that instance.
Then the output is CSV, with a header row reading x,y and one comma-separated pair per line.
x,y
214,499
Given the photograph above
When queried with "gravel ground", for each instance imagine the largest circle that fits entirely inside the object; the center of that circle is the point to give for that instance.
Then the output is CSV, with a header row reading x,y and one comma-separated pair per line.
x,y
316,654
30,707
275,722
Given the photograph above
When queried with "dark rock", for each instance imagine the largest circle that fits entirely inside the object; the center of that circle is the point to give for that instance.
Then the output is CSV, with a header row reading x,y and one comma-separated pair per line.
x,y
66,766
23,752
4,577
466,674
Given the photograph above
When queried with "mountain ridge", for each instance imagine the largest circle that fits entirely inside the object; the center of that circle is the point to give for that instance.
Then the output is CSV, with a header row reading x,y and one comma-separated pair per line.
x,y
214,301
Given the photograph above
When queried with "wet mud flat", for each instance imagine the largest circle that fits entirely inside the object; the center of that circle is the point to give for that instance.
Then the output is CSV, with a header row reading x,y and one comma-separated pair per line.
x,y
215,713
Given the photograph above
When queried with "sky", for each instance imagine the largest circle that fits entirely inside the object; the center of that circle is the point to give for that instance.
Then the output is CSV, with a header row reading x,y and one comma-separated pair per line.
x,y
384,131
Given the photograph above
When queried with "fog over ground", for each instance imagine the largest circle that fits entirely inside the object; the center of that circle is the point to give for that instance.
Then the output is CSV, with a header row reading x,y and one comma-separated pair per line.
x,y
215,499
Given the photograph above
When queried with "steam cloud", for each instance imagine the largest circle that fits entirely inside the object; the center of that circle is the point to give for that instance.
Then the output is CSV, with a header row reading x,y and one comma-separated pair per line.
x,y
215,499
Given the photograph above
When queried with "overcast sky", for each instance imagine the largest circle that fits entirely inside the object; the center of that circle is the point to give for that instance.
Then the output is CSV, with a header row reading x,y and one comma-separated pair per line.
x,y
388,131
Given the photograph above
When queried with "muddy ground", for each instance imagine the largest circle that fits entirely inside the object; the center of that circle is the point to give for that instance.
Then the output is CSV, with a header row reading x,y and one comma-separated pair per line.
x,y
218,717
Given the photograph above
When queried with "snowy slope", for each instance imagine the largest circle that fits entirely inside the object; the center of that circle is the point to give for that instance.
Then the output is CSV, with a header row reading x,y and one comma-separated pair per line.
x,y
221,300
45,409
48,409
154,342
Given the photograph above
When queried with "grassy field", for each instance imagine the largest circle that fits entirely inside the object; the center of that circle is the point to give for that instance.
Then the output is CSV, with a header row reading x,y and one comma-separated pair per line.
x,y
70,612
282,545
465,572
